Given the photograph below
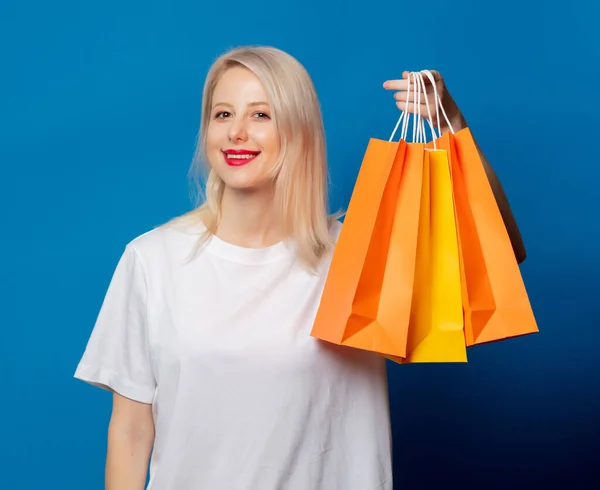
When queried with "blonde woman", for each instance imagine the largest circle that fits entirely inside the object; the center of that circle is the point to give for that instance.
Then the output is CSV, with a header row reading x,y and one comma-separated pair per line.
x,y
203,336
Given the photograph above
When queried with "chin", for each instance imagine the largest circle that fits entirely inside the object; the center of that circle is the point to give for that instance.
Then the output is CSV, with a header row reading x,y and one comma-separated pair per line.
x,y
240,186
242,183
243,178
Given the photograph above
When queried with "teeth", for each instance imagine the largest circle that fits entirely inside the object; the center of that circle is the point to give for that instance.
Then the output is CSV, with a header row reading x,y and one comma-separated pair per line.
x,y
241,157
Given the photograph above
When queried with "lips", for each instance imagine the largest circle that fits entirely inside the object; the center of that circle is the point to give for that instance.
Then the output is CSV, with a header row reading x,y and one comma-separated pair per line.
x,y
238,158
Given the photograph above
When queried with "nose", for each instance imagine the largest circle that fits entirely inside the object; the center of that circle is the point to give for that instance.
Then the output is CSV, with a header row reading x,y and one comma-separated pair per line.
x,y
237,130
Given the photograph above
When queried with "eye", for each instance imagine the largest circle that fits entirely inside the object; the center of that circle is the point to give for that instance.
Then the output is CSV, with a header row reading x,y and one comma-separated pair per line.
x,y
222,115
261,115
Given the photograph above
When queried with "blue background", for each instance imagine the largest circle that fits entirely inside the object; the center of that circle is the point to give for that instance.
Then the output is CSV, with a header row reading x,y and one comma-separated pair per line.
x,y
99,110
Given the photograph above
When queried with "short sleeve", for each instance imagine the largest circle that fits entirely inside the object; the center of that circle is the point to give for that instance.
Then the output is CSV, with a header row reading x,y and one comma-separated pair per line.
x,y
117,355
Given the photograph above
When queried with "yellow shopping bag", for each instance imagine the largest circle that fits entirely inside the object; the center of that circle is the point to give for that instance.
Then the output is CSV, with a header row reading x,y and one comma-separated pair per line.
x,y
436,327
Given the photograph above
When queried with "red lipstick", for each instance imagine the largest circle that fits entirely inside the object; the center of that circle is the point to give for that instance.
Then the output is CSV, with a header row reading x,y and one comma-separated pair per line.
x,y
238,158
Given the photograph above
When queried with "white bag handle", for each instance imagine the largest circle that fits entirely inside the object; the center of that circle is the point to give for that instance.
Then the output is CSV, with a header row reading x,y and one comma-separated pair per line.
x,y
438,100
430,120
417,116
405,123
419,135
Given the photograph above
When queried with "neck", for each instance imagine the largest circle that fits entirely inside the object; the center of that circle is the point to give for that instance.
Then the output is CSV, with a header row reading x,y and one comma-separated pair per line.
x,y
248,218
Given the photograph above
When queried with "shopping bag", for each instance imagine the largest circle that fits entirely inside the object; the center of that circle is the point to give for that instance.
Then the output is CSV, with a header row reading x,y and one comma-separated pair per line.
x,y
366,300
495,301
493,272
477,294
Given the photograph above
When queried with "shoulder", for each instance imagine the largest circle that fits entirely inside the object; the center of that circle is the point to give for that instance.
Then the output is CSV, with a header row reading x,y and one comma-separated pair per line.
x,y
165,244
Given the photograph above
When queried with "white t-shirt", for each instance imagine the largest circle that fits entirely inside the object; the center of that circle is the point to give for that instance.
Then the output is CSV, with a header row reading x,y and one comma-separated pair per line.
x,y
243,397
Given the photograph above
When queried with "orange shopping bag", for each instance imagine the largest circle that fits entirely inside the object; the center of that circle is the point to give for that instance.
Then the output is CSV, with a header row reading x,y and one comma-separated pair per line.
x,y
477,294
495,301
496,267
366,301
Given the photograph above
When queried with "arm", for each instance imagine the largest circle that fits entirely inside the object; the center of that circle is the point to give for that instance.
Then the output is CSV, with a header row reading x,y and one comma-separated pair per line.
x,y
130,440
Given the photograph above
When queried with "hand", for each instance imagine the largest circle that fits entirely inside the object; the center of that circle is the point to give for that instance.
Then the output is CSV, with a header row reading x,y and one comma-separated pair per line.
x,y
452,111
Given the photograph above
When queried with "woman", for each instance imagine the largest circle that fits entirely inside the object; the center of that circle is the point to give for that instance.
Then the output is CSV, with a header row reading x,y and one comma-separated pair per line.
x,y
203,336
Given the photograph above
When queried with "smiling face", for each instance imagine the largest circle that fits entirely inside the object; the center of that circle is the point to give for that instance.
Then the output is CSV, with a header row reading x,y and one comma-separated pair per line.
x,y
242,144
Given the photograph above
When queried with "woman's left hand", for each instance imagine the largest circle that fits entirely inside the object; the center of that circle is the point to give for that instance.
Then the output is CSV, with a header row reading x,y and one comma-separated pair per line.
x,y
452,110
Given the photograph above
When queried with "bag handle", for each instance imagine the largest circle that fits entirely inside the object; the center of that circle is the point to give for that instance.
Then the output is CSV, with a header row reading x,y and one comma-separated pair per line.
x,y
417,82
438,100
421,123
400,119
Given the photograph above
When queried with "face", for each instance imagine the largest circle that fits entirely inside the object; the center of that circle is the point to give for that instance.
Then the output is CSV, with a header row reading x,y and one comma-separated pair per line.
x,y
241,141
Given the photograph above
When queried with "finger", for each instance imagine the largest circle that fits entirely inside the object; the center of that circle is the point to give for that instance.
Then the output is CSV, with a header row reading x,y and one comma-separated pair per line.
x,y
408,78
396,84
412,108
415,108
402,84
418,98
410,96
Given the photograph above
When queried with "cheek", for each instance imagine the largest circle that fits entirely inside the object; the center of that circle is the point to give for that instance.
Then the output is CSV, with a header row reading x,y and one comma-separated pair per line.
x,y
266,136
213,136
214,143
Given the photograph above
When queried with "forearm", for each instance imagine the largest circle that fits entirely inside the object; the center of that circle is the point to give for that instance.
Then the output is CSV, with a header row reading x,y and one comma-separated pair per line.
x,y
127,459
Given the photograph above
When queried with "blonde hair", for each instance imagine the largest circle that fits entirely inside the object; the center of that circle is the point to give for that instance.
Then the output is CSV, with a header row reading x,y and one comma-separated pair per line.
x,y
300,175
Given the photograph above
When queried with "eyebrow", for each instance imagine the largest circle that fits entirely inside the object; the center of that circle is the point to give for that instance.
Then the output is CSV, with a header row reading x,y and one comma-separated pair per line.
x,y
252,104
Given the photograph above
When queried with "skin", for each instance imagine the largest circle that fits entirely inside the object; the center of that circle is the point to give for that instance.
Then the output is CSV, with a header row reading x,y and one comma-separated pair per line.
x,y
241,118
130,440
